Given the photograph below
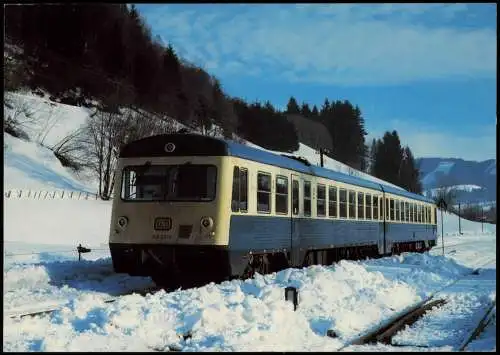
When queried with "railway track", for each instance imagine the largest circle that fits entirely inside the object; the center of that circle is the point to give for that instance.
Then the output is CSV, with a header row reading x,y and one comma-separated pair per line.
x,y
53,308
484,321
387,330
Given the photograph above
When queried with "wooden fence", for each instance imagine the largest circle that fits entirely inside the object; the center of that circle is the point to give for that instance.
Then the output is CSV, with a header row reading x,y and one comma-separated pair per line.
x,y
49,195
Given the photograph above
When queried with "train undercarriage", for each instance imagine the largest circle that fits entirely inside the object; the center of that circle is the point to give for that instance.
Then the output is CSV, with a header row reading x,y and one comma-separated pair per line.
x,y
184,266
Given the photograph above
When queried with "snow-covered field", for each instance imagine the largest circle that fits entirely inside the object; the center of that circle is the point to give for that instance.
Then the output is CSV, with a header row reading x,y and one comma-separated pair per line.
x,y
41,269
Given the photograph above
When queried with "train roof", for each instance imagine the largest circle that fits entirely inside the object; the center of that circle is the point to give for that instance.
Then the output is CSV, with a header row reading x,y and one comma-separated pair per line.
x,y
195,144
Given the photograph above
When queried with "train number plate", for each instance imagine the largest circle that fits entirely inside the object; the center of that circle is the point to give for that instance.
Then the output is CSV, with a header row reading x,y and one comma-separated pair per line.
x,y
163,223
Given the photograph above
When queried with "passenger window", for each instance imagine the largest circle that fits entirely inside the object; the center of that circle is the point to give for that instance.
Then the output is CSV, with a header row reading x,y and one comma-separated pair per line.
x,y
235,201
343,203
332,201
387,216
368,206
295,197
307,198
281,195
321,200
263,192
396,210
408,217
243,190
352,205
375,208
414,213
239,201
361,207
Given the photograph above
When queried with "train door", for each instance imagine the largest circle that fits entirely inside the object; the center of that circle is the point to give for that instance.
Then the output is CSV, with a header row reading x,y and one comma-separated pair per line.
x,y
384,210
295,222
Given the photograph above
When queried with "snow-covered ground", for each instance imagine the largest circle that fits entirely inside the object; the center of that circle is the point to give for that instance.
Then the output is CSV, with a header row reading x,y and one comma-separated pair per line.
x,y
41,269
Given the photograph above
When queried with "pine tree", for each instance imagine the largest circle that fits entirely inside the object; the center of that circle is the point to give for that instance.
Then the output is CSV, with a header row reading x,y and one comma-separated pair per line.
x,y
388,158
292,107
410,173
305,110
314,112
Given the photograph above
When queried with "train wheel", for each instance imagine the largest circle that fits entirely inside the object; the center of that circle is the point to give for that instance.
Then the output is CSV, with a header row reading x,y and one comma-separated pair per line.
x,y
167,281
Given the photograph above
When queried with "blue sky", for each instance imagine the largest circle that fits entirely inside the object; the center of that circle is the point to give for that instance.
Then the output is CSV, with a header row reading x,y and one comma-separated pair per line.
x,y
425,70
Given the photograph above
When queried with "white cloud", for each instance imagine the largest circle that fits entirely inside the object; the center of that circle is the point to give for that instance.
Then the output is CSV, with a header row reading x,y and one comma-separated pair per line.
x,y
348,44
428,142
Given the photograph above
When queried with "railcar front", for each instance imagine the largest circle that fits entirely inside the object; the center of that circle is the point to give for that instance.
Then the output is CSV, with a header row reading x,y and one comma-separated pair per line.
x,y
167,219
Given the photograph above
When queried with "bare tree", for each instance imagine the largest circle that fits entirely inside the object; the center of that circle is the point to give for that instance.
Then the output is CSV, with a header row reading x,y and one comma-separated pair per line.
x,y
107,131
19,115
445,192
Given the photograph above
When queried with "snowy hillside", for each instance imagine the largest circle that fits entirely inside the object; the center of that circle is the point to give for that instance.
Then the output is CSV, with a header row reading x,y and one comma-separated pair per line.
x,y
29,166
49,122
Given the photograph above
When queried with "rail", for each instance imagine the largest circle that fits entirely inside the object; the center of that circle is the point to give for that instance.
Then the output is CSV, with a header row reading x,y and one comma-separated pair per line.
x,y
385,331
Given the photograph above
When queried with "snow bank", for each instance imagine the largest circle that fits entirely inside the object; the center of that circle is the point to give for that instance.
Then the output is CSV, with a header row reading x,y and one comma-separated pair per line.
x,y
249,315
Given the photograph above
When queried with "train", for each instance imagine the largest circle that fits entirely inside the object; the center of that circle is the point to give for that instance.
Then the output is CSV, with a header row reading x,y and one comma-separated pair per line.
x,y
190,209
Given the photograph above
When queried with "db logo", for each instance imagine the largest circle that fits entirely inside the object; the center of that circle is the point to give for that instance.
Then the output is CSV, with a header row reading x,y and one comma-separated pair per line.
x,y
169,147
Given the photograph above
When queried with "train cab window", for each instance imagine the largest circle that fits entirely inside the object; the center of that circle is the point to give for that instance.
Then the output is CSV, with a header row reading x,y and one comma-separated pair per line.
x,y
375,208
295,197
239,201
332,201
307,198
263,192
281,195
368,206
169,183
352,205
343,203
361,205
321,200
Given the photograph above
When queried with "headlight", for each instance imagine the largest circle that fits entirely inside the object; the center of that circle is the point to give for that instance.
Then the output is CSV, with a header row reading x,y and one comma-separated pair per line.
x,y
207,223
122,222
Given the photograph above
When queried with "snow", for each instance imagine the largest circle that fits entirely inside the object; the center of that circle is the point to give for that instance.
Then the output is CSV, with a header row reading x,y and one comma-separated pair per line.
x,y
249,315
314,158
42,270
30,166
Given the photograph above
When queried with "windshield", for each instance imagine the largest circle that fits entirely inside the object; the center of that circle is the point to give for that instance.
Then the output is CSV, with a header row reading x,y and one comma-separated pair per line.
x,y
185,182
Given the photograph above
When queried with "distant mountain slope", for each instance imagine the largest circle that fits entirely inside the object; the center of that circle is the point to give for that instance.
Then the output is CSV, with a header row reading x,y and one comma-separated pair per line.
x,y
466,175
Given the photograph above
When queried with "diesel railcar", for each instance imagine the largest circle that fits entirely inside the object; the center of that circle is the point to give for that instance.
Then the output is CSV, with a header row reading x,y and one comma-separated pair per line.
x,y
190,209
